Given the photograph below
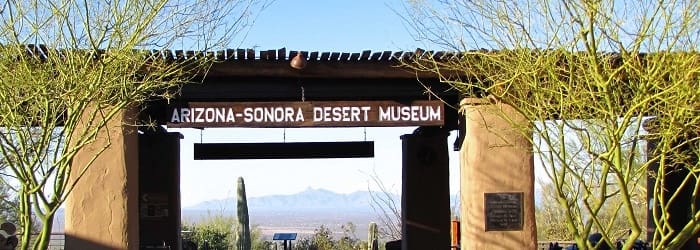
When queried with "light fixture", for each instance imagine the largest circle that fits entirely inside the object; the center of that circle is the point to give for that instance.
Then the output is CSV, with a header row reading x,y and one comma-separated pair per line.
x,y
298,62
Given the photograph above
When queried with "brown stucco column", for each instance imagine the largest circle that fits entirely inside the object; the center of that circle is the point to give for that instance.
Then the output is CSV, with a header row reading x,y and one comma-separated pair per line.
x,y
496,168
102,210
425,192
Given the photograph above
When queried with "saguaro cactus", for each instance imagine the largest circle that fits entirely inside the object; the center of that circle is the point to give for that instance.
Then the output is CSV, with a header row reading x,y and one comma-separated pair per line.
x,y
242,214
373,237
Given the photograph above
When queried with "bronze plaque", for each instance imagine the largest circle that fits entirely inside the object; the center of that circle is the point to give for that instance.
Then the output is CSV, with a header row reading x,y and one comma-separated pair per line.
x,y
306,114
504,211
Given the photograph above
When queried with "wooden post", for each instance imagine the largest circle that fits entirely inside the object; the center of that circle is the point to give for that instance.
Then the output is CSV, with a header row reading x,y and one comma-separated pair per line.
x,y
425,195
159,190
679,208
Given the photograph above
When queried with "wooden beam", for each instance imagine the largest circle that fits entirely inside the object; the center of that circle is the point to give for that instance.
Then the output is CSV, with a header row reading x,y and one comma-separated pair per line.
x,y
317,69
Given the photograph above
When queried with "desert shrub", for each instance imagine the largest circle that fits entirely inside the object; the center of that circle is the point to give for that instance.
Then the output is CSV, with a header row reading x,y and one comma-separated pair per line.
x,y
322,239
217,230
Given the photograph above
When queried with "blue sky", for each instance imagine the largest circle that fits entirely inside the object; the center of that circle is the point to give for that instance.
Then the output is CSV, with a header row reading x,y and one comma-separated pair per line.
x,y
312,25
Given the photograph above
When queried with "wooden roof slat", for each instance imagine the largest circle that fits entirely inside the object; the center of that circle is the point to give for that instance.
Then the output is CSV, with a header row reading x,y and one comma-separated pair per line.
x,y
365,55
447,56
250,54
39,52
459,55
44,50
264,55
30,49
438,55
354,56
313,56
179,54
375,56
293,53
418,53
230,54
221,55
281,53
240,54
397,55
324,56
167,54
191,54
155,54
407,56
334,56
385,56
428,54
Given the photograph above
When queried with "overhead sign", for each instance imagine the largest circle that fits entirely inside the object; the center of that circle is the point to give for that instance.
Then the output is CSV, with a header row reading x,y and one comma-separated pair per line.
x,y
307,114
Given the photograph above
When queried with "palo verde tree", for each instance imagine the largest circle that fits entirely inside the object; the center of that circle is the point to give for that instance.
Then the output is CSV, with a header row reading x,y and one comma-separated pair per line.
x,y
8,197
68,68
604,74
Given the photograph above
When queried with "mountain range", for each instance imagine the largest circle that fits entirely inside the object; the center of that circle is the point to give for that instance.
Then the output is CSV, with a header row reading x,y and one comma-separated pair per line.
x,y
308,200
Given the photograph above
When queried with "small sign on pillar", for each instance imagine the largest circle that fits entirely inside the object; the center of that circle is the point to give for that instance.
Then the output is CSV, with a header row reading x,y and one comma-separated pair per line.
x,y
504,211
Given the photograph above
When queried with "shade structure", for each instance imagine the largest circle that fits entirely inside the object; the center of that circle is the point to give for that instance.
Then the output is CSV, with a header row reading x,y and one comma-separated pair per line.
x,y
283,150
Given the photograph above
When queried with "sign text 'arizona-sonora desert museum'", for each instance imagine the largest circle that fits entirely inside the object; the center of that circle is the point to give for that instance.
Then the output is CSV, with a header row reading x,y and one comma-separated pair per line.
x,y
307,114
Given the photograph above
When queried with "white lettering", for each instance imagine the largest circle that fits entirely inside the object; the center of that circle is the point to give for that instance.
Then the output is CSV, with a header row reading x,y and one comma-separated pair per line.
x,y
288,114
258,114
209,114
384,115
409,113
269,114
337,113
365,109
405,114
300,115
345,114
248,114
185,114
326,113
198,114
280,114
175,117
231,117
318,114
414,112
355,114
435,114
220,114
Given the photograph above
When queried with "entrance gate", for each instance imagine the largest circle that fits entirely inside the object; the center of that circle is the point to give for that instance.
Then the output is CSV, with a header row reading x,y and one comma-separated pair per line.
x,y
141,204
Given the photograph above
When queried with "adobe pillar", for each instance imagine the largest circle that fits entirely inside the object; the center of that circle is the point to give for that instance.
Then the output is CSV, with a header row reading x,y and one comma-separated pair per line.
x,y
497,179
425,194
102,210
